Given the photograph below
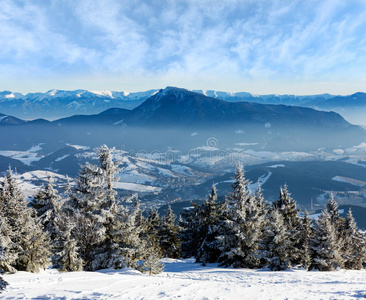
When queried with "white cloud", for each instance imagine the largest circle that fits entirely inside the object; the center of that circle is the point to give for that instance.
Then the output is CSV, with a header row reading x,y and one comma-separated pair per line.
x,y
223,42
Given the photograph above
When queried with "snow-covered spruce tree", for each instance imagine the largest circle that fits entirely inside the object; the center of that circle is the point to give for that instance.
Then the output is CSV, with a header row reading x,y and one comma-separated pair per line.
x,y
153,223
111,169
286,206
259,201
324,245
354,244
7,254
106,255
276,244
67,259
149,252
210,215
189,222
5,242
333,211
169,235
242,231
93,206
86,201
3,284
67,189
306,234
152,263
336,220
47,204
131,229
31,243
37,252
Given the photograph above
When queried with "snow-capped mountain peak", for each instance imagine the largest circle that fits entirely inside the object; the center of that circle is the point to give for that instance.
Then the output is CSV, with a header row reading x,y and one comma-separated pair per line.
x,y
104,93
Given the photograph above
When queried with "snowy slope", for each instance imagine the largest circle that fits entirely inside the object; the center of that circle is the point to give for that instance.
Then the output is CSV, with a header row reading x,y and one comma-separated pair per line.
x,y
184,279
60,103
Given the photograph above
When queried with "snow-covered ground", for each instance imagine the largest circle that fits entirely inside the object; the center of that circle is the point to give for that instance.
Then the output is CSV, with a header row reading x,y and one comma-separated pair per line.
x,y
184,279
26,157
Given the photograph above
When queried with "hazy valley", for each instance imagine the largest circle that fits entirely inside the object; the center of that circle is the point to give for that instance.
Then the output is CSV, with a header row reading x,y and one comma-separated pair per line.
x,y
176,143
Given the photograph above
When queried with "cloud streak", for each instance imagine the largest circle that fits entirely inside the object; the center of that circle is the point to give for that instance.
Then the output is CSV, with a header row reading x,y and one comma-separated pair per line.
x,y
237,41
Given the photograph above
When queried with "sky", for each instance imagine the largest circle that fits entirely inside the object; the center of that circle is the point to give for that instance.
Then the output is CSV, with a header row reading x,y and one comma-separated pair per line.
x,y
257,46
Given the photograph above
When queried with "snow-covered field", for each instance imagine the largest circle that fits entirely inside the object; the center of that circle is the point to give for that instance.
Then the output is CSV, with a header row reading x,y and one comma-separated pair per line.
x,y
184,279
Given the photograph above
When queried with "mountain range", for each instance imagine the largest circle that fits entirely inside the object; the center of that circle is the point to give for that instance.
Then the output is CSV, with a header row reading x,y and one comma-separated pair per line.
x,y
175,118
178,107
56,104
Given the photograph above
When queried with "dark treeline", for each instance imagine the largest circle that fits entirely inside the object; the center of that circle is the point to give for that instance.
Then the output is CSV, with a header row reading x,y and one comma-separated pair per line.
x,y
86,228
246,232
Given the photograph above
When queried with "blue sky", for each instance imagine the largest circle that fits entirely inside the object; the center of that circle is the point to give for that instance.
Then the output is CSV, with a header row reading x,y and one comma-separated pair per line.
x,y
301,47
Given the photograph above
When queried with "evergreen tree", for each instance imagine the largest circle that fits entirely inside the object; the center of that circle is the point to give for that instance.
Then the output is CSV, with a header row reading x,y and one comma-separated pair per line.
x,y
3,284
94,204
242,231
88,234
47,204
67,190
324,245
189,222
153,223
306,234
259,201
354,246
200,227
7,256
169,235
5,245
36,252
30,243
68,259
152,263
111,169
233,236
86,201
276,243
210,214
286,206
333,211
128,234
148,246
106,255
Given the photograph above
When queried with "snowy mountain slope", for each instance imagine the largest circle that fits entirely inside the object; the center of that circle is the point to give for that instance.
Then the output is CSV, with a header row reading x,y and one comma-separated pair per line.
x,y
168,118
26,157
306,180
287,99
174,106
185,279
59,103
163,119
5,119
138,174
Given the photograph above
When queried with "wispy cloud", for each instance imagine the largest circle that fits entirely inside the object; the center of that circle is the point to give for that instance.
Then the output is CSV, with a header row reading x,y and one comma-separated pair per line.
x,y
221,41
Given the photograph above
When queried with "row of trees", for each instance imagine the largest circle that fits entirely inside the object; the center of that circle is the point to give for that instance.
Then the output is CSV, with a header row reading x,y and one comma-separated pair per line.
x,y
86,228
246,232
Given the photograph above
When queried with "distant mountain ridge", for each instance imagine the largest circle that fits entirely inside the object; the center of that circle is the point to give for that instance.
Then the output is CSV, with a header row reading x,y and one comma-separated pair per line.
x,y
56,104
5,119
59,103
175,118
176,107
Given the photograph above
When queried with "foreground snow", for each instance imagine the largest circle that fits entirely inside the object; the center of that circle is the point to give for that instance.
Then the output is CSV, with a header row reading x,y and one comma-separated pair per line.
x,y
186,280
